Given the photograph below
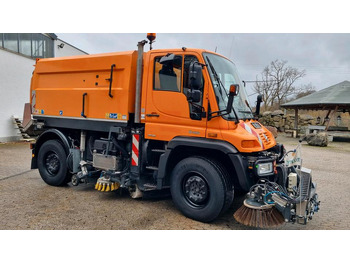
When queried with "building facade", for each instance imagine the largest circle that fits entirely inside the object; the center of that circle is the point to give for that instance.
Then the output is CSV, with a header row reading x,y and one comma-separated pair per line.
x,y
18,52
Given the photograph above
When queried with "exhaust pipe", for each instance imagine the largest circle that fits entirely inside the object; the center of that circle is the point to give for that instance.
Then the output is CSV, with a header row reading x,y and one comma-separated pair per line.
x,y
258,103
140,46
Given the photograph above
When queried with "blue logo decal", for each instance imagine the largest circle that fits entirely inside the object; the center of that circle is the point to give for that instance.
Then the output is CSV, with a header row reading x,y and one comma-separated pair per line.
x,y
42,111
61,112
113,115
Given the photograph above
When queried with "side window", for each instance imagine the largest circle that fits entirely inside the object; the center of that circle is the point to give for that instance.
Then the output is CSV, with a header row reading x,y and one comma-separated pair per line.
x,y
195,108
167,74
188,60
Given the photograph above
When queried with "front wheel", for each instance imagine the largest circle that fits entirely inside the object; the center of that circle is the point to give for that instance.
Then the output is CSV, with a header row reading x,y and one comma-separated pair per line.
x,y
52,163
200,189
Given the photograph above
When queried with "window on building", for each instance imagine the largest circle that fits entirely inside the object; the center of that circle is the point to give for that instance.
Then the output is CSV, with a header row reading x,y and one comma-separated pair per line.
x,y
25,44
11,42
33,45
48,48
37,46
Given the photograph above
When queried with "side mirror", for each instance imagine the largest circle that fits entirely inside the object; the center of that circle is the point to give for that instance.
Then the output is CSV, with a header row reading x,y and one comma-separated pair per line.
x,y
233,92
258,102
195,76
194,95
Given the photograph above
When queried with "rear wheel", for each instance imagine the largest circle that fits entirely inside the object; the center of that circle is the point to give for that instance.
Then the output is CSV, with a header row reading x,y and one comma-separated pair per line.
x,y
52,163
199,189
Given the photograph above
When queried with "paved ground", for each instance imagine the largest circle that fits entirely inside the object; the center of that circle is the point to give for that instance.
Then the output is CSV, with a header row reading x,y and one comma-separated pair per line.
x,y
26,202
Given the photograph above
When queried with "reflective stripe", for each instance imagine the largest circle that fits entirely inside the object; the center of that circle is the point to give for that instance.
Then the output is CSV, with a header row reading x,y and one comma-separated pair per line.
x,y
33,100
134,159
135,150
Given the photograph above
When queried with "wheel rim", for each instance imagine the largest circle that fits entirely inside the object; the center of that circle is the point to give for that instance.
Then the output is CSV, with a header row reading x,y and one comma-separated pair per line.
x,y
195,190
52,163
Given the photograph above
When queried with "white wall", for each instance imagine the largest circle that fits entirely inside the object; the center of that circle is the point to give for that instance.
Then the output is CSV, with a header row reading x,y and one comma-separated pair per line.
x,y
66,50
15,75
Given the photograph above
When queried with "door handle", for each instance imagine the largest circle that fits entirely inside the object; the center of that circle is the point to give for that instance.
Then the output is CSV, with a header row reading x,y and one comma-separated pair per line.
x,y
83,109
152,115
110,81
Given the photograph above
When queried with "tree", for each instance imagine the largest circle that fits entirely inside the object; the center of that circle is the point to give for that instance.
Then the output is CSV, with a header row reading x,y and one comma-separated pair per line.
x,y
305,90
277,82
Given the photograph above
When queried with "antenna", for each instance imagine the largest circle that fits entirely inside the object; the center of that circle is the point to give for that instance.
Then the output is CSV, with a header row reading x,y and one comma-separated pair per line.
x,y
216,48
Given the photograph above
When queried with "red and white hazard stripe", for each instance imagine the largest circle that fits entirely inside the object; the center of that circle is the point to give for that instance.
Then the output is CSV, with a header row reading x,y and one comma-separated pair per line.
x,y
251,131
135,150
33,101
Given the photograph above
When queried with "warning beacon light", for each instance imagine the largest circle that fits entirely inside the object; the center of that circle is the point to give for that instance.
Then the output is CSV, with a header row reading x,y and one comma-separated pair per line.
x,y
151,37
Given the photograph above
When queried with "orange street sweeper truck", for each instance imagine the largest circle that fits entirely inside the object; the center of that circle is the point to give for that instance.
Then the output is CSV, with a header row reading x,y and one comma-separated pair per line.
x,y
175,119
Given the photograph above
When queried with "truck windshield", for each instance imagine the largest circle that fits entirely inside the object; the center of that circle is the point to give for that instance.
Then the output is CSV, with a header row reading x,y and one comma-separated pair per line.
x,y
223,73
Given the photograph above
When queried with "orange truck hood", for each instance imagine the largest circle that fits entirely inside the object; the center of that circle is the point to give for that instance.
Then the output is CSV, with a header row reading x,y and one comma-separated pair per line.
x,y
249,136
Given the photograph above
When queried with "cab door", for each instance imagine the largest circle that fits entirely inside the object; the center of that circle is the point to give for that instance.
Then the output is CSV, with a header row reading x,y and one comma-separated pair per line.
x,y
168,113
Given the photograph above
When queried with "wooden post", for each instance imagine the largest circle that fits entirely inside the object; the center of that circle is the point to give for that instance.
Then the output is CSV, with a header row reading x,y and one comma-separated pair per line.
x,y
324,120
296,122
330,117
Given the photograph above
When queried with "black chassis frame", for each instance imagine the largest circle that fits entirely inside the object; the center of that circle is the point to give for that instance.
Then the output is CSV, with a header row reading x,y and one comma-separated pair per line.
x,y
235,162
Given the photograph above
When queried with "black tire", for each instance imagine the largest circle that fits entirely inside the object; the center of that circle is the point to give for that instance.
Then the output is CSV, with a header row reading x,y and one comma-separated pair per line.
x,y
200,189
230,192
52,163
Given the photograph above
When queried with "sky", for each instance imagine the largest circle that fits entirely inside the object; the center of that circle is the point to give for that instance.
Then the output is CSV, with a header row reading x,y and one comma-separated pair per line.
x,y
311,35
325,57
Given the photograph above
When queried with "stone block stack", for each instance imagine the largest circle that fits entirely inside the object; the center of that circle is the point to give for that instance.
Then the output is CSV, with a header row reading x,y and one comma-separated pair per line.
x,y
282,122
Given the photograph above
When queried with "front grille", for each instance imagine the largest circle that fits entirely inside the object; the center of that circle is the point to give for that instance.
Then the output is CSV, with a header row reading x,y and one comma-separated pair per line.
x,y
265,138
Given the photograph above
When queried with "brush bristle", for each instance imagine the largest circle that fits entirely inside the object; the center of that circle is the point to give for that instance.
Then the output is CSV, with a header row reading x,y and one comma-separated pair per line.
x,y
262,218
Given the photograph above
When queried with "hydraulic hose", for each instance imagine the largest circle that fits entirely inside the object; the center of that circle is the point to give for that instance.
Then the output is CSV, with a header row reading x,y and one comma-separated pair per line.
x,y
121,149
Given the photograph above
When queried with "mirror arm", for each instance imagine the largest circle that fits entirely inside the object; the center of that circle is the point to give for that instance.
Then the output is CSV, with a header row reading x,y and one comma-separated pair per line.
x,y
197,62
223,113
204,114
236,120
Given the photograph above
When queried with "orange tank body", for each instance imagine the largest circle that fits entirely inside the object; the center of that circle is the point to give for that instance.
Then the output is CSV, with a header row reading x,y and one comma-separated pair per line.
x,y
58,86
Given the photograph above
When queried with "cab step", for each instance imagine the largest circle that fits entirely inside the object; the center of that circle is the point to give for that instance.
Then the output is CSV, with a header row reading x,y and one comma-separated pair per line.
x,y
149,187
152,168
156,150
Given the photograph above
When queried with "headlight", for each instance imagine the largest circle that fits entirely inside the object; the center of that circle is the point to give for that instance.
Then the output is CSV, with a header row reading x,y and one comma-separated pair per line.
x,y
264,168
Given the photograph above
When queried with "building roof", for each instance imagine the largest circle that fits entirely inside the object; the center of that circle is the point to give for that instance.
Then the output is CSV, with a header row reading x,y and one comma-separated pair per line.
x,y
330,97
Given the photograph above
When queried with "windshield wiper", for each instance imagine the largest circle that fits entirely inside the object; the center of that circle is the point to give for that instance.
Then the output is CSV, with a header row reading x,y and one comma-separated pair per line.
x,y
246,102
217,78
221,86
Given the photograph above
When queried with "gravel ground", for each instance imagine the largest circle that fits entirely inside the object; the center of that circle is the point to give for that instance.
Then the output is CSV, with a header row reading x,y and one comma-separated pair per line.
x,y
28,203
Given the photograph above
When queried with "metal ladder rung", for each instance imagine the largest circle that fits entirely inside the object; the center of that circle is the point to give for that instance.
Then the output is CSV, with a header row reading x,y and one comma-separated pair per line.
x,y
149,186
158,150
152,168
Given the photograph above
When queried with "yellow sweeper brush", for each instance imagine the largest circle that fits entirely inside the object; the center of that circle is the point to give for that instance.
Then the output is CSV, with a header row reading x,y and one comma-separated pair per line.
x,y
105,185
